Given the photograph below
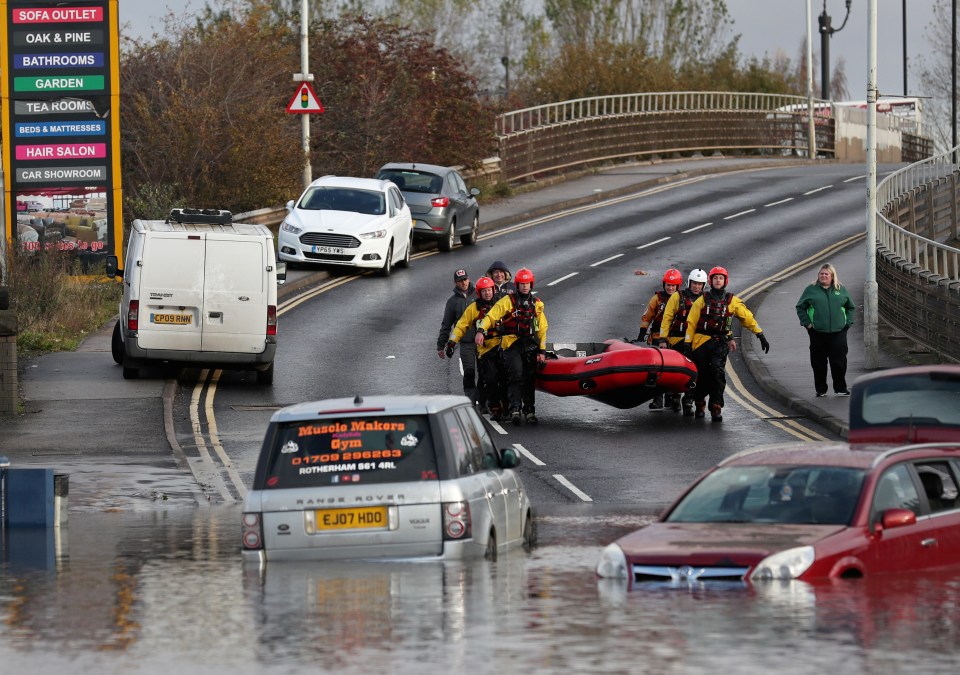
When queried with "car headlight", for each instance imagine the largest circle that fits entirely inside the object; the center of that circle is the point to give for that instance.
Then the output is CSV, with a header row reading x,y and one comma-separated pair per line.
x,y
788,564
613,563
292,229
379,234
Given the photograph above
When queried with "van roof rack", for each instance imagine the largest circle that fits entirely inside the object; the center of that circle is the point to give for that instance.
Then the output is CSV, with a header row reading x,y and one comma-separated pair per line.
x,y
187,215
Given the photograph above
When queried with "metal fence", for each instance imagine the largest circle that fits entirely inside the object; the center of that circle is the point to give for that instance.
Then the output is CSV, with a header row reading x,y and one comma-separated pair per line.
x,y
918,266
559,136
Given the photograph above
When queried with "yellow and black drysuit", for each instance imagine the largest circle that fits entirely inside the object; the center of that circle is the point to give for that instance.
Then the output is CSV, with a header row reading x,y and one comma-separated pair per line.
x,y
523,335
492,381
709,334
673,328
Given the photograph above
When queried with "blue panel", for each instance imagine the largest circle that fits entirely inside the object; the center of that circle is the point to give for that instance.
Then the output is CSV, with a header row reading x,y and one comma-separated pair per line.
x,y
30,497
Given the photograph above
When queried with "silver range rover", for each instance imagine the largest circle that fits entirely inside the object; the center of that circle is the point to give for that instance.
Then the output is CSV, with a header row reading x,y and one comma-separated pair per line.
x,y
384,477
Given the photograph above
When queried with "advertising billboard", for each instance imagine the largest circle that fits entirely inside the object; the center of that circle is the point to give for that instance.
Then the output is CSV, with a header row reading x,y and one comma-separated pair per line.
x,y
61,127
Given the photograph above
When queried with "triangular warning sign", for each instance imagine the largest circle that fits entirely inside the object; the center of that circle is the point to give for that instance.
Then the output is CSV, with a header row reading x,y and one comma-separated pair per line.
x,y
305,100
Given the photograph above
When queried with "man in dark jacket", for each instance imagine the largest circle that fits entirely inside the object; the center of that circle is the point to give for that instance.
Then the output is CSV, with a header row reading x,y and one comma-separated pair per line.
x,y
501,278
456,303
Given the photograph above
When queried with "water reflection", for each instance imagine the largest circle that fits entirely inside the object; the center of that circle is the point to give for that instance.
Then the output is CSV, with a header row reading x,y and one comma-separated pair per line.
x,y
162,591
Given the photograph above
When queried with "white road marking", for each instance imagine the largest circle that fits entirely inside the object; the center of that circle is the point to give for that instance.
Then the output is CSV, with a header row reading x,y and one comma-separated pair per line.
x,y
529,455
782,201
496,425
737,215
573,488
606,260
652,243
554,283
698,227
850,180
825,187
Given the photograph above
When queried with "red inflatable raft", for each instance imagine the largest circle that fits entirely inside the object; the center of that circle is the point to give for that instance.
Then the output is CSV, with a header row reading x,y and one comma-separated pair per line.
x,y
615,372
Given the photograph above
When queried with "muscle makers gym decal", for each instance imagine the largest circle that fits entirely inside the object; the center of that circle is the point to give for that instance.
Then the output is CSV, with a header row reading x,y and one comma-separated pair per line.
x,y
61,134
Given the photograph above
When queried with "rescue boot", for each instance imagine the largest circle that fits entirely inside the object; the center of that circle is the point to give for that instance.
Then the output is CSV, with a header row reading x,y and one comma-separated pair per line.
x,y
657,402
674,402
701,408
716,412
687,407
496,412
531,418
515,417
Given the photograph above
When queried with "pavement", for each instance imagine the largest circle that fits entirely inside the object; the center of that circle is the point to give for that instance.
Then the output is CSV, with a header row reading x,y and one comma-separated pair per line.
x,y
114,437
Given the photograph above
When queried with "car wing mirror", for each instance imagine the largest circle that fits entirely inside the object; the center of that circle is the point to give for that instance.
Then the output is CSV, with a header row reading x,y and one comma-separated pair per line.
x,y
290,205
475,192
892,518
509,458
281,273
110,266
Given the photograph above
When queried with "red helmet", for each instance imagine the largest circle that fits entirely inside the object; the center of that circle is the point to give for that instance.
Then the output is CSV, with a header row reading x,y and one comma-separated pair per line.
x,y
720,270
523,276
484,282
673,276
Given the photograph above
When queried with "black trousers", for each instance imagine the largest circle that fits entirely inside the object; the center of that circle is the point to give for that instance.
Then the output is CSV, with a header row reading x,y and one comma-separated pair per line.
x,y
521,371
688,397
711,359
828,349
493,379
468,357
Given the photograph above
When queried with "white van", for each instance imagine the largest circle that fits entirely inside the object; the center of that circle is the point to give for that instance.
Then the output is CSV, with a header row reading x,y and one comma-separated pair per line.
x,y
198,291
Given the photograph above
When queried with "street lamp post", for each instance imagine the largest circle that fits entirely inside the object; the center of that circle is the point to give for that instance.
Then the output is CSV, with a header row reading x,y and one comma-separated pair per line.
x,y
826,32
505,60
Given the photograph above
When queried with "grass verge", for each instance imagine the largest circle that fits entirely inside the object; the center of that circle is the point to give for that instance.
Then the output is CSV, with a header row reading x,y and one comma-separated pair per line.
x,y
57,303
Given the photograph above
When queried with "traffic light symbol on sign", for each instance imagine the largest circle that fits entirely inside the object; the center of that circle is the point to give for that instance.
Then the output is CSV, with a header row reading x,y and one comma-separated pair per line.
x,y
305,100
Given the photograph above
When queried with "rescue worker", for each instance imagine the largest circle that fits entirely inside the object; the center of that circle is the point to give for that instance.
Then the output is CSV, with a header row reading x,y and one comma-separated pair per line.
x,y
523,339
673,328
652,317
452,312
492,382
501,279
709,340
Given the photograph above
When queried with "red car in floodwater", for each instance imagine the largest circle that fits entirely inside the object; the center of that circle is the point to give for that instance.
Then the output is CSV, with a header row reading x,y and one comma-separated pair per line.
x,y
885,502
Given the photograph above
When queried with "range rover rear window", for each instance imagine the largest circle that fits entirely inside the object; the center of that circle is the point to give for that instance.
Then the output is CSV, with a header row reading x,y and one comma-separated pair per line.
x,y
351,450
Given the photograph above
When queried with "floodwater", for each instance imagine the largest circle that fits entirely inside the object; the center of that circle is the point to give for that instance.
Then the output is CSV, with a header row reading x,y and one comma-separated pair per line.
x,y
166,591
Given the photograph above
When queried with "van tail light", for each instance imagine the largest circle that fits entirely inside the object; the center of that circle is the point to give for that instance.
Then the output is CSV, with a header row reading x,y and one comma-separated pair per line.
x,y
252,531
133,315
271,319
440,202
456,521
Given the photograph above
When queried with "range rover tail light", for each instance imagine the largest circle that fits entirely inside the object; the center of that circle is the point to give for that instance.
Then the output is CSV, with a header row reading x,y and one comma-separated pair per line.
x,y
456,521
252,531
133,315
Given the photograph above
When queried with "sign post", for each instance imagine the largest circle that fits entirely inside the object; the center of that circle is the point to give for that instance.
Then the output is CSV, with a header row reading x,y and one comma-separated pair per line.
x,y
305,99
61,127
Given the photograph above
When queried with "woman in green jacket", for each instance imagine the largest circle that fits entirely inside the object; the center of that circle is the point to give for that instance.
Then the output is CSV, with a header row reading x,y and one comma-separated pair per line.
x,y
826,311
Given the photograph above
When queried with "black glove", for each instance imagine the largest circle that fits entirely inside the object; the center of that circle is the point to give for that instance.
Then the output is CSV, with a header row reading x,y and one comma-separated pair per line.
x,y
764,343
664,344
449,348
641,336
687,350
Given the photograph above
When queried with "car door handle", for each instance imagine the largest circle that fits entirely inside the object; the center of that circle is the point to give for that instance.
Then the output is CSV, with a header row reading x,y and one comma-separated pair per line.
x,y
928,543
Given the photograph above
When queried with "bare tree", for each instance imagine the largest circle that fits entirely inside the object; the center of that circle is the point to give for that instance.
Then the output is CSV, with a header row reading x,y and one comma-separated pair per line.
x,y
936,77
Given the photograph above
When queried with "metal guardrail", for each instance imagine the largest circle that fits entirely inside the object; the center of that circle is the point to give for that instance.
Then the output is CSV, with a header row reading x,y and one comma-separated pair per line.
x,y
918,272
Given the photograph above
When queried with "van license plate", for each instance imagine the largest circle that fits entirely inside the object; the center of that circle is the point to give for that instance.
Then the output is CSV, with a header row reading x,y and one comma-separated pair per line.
x,y
174,319
328,249
350,519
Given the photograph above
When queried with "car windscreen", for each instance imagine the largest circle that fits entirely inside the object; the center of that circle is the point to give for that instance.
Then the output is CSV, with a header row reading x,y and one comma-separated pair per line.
x,y
326,198
350,450
773,494
413,181
927,399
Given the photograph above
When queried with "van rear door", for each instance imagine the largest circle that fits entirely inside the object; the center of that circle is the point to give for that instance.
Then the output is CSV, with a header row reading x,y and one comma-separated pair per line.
x,y
235,294
171,291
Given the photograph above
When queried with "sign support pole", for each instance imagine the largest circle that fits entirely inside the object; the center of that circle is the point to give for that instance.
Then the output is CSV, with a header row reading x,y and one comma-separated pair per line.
x,y
304,69
870,289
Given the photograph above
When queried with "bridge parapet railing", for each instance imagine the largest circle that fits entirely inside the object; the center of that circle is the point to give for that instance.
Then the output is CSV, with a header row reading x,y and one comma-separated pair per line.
x,y
918,264
557,137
